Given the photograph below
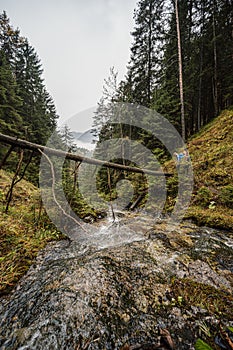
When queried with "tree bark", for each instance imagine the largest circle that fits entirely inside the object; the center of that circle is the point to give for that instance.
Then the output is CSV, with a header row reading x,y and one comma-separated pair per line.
x,y
180,70
215,80
199,119
59,153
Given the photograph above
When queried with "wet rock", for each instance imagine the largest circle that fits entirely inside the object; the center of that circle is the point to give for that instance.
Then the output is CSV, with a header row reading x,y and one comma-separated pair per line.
x,y
80,296
89,219
203,273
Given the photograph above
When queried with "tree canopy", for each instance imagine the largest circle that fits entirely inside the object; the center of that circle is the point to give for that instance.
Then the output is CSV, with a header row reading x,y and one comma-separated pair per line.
x,y
26,108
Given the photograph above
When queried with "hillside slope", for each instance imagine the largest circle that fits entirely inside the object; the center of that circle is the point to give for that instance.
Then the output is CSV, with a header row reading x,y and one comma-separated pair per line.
x,y
211,152
24,230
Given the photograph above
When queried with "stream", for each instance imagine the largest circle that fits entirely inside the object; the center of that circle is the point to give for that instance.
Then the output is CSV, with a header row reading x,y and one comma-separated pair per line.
x,y
116,289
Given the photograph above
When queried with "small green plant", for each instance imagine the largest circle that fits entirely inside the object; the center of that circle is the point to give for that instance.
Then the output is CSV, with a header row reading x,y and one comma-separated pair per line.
x,y
201,345
205,329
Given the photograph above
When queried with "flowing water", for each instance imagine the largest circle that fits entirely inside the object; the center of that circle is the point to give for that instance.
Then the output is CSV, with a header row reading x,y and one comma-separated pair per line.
x,y
107,291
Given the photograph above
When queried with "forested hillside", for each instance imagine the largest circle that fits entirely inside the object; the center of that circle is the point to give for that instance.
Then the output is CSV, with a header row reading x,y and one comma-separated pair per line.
x,y
26,108
153,72
134,279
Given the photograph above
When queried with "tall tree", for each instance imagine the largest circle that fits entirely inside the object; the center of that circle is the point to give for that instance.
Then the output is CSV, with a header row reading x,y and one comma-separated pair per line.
x,y
26,108
37,110
180,69
10,120
37,107
145,51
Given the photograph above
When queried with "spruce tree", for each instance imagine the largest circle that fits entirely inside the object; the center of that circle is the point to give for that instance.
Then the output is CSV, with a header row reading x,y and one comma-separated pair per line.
x,y
10,120
26,108
145,51
38,110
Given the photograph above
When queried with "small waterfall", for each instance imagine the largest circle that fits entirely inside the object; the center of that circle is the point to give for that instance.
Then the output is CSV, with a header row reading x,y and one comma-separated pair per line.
x,y
115,287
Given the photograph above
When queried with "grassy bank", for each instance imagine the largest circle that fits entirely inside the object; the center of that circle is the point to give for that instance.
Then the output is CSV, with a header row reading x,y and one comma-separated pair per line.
x,y
24,230
211,153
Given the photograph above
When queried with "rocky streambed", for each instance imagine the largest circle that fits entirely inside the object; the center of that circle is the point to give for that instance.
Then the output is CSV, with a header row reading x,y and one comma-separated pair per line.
x,y
157,289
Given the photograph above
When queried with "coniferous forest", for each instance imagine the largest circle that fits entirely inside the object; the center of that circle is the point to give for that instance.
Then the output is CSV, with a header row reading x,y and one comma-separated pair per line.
x,y
205,62
152,79
26,108
133,280
181,58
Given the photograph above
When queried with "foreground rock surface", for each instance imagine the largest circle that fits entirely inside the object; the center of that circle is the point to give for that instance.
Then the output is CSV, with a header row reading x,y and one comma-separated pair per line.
x,y
87,297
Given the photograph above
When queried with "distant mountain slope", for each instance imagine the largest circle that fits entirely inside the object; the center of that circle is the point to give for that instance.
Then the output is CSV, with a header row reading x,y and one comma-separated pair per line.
x,y
86,136
84,139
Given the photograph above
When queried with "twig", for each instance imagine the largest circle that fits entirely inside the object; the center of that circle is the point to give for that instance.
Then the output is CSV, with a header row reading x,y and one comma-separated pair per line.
x,y
110,194
6,156
14,181
25,168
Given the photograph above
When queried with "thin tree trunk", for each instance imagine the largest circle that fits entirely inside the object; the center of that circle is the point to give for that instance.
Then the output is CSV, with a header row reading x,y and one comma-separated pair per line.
x,y
215,82
110,194
3,162
199,120
149,56
180,71
14,180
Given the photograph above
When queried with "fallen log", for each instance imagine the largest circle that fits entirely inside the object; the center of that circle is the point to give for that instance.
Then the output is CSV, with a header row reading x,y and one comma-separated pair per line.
x,y
76,157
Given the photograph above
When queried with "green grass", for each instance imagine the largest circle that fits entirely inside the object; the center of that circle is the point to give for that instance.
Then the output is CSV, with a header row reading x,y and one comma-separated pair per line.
x,y
211,152
24,230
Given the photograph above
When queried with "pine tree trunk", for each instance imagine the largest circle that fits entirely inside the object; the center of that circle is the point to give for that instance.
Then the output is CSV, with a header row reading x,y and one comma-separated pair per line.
x,y
180,71
199,119
215,88
149,56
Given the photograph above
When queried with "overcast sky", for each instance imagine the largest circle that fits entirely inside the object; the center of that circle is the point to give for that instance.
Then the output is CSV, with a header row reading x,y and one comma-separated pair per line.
x,y
77,41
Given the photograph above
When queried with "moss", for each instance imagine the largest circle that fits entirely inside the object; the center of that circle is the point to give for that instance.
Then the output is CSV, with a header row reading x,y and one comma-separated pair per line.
x,y
189,293
226,196
23,231
211,154
203,197
217,217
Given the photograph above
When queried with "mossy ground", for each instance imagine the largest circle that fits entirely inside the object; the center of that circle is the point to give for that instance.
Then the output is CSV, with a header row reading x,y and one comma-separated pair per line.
x,y
24,230
211,153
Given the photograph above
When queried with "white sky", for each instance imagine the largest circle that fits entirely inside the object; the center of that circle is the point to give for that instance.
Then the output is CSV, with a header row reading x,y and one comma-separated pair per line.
x,y
77,41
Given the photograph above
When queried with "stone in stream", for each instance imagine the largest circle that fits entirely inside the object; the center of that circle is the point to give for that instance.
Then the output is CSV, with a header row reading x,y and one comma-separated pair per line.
x,y
120,296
